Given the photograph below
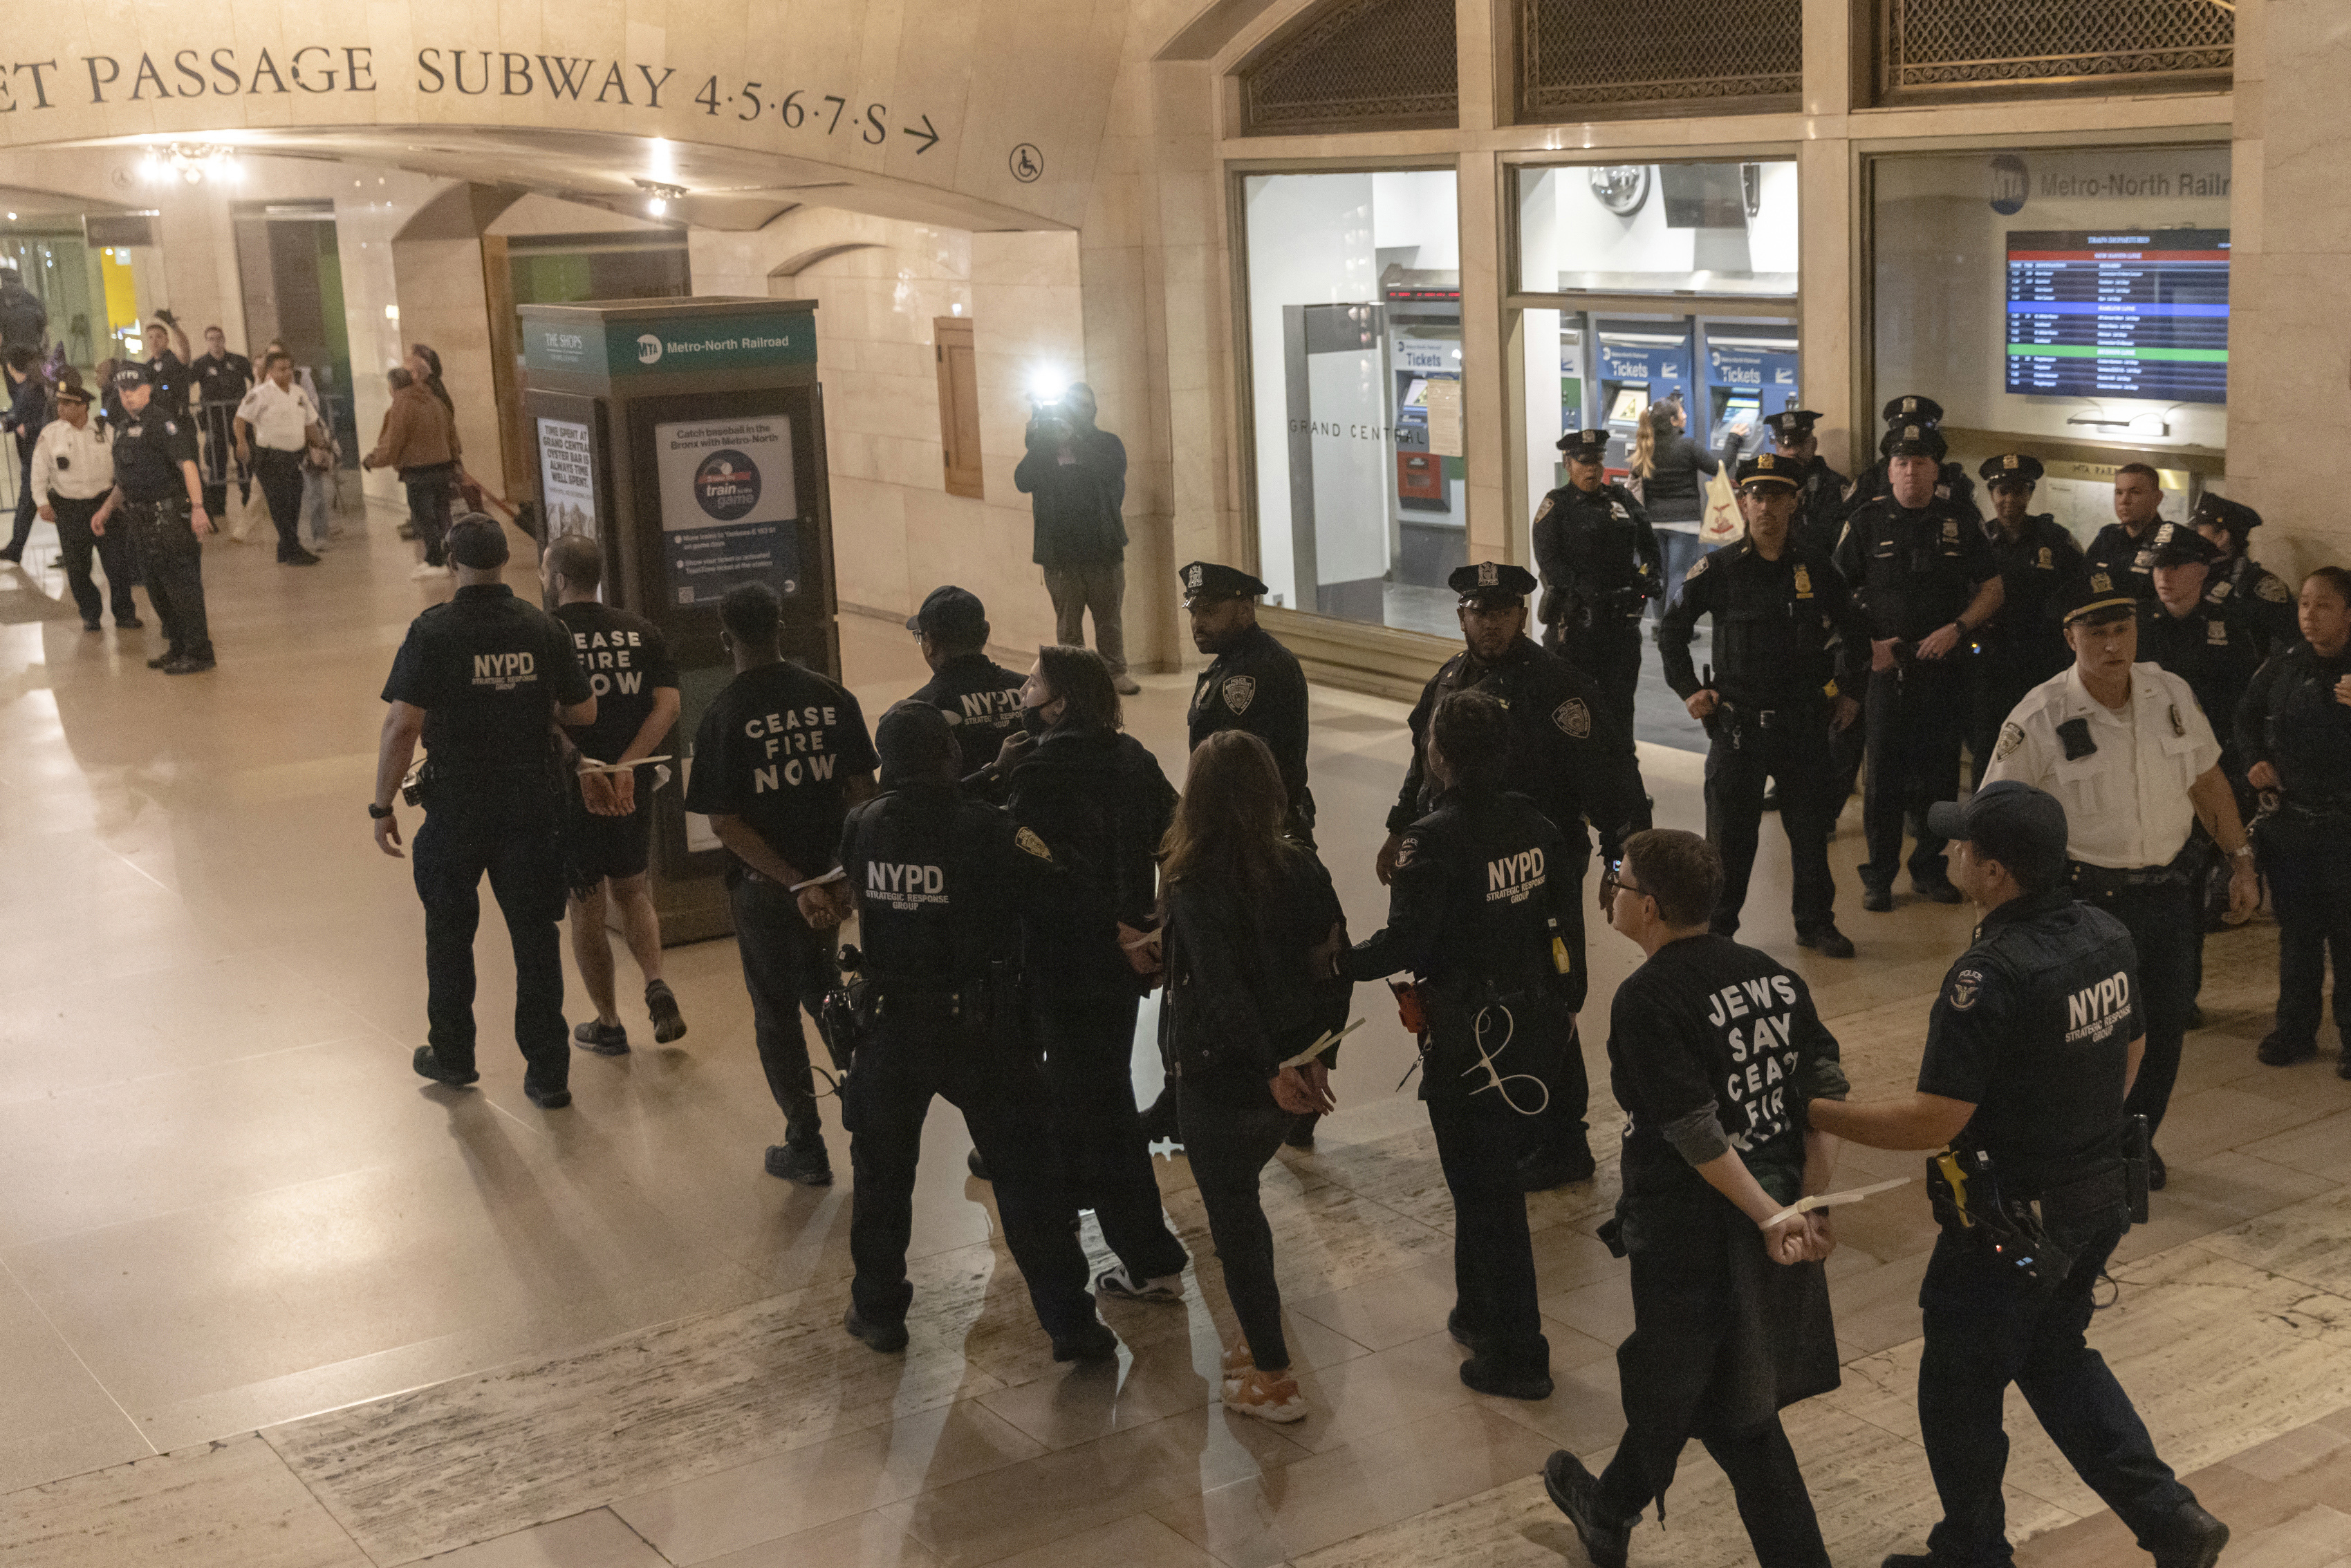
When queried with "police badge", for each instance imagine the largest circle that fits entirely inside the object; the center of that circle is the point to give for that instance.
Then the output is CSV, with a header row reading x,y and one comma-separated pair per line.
x,y
2047,563
2216,634
1239,692
1803,581
1194,582
1966,987
1029,843
2272,589
2012,736
1573,718
1488,574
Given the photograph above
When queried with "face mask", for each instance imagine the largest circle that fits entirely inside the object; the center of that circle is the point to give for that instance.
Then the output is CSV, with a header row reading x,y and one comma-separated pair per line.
x,y
1032,719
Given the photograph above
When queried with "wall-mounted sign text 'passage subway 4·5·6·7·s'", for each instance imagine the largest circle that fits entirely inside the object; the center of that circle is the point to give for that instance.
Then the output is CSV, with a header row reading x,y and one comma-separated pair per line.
x,y
153,76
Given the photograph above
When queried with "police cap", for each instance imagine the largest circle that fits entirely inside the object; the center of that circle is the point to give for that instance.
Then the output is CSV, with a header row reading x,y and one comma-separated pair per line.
x,y
1791,423
2177,544
2009,822
1771,468
131,374
2011,469
1912,409
912,740
2219,512
1585,446
2095,596
1206,581
1914,441
73,391
1490,584
475,541
951,616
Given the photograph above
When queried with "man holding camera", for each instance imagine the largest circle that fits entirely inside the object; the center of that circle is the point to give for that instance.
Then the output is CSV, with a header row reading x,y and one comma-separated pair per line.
x,y
2031,1051
1075,475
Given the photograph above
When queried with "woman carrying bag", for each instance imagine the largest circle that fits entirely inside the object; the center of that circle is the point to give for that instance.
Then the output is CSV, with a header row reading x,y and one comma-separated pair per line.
x,y
1098,799
1249,917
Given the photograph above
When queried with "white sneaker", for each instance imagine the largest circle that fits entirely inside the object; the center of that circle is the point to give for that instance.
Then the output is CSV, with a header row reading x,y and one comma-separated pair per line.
x,y
425,568
1118,1282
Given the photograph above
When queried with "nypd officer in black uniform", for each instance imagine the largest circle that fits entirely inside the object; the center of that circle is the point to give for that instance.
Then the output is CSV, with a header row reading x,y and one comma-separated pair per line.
x,y
1951,482
482,681
2030,1047
1481,915
2294,730
1601,565
221,381
980,697
167,370
1780,606
2124,549
2022,645
939,882
1569,754
1820,497
1252,681
1927,580
2236,575
780,758
159,497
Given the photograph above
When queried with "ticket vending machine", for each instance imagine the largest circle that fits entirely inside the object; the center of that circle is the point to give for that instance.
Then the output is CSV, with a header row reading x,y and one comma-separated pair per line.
x,y
1641,362
686,436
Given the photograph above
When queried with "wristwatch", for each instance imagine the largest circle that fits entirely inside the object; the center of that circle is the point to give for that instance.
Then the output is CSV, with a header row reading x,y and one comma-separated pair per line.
x,y
377,812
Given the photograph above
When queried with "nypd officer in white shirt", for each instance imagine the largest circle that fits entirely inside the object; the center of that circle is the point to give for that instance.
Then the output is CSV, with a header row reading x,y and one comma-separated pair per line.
x,y
73,472
2125,748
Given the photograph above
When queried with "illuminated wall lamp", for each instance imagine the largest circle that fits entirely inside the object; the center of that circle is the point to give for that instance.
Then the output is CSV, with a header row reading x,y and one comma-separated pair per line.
x,y
189,163
658,196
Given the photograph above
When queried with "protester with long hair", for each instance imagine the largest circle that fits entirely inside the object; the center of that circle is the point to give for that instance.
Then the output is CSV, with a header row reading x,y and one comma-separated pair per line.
x,y
1249,915
1097,796
1673,470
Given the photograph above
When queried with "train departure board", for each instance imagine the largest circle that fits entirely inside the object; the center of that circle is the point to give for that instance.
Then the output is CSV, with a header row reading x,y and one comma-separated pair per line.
x,y
2102,313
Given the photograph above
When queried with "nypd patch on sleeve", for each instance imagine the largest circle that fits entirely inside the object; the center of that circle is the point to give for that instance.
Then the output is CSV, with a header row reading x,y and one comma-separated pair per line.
x,y
2012,736
1966,989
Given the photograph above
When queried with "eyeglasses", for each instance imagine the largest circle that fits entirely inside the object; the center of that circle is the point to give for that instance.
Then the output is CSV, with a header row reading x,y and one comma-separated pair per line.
x,y
1612,882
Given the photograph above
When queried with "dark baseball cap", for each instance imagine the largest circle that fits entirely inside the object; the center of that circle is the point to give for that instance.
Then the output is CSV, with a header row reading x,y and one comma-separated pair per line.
x,y
131,374
912,740
952,615
2009,822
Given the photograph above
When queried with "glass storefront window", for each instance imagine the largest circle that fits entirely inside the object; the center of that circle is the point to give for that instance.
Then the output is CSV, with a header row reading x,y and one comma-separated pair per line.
x,y
1658,228
2056,298
77,286
1354,332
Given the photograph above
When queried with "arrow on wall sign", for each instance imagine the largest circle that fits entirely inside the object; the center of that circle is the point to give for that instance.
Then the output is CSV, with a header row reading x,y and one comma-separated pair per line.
x,y
930,137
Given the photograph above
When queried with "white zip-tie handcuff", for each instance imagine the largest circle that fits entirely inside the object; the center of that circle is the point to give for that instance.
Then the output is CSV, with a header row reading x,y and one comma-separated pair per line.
x,y
1498,1081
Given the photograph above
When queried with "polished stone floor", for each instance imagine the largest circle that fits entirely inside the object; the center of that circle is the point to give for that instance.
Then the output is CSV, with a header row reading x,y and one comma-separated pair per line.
x,y
267,1300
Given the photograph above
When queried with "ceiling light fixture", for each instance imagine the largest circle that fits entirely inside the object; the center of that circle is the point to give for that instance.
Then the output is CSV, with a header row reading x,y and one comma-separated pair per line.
x,y
658,196
189,163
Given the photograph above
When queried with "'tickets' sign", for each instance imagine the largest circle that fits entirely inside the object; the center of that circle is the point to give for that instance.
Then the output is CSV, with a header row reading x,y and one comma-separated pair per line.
x,y
729,511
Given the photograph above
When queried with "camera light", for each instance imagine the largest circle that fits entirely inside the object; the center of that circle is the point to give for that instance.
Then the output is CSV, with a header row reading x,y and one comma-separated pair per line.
x,y
1046,386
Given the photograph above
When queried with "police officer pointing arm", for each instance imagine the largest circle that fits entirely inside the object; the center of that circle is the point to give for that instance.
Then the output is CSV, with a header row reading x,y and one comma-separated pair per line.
x,y
2031,1051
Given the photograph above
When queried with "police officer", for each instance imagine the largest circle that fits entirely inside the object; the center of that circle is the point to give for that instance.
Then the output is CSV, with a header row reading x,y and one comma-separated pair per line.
x,y
158,498
1780,608
2030,1049
1927,580
980,697
2128,753
1252,681
1730,1308
939,882
481,680
2236,575
780,758
1951,482
221,381
1601,566
166,370
2294,730
2022,645
73,473
1820,499
1569,754
2124,548
1481,915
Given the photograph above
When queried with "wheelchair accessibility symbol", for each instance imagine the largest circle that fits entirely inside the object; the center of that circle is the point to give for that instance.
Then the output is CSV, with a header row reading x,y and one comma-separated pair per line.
x,y
1027,163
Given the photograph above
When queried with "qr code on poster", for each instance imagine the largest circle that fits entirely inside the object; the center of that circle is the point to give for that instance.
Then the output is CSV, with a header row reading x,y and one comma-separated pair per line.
x,y
685,596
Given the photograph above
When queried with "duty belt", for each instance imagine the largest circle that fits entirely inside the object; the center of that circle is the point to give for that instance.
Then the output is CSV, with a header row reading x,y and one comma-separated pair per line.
x,y
2099,881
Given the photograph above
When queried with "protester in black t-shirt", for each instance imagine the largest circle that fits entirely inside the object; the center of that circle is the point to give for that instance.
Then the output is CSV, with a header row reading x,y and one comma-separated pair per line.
x,y
1714,1051
780,758
611,820
482,681
2031,1051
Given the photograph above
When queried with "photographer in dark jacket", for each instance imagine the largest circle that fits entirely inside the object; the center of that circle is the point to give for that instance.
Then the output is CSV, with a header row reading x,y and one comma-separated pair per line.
x,y
1248,917
1483,911
1098,799
1075,475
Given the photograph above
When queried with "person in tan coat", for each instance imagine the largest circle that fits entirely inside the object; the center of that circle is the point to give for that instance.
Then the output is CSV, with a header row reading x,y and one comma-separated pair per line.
x,y
420,440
